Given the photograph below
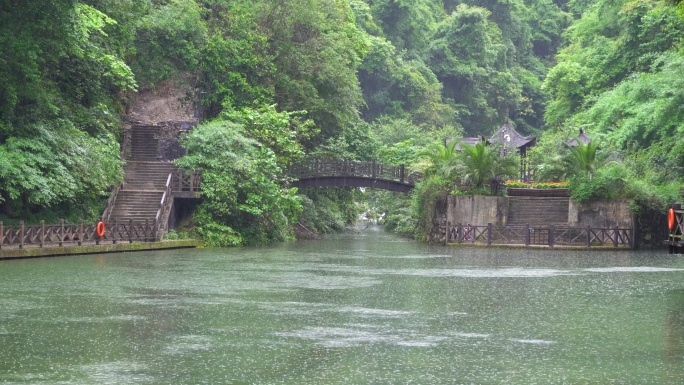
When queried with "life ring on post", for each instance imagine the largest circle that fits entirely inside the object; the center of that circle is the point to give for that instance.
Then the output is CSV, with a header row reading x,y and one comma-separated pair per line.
x,y
671,219
100,229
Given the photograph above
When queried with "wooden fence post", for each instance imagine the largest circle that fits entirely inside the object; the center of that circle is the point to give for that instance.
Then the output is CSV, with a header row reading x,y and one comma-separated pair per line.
x,y
130,227
21,234
113,231
552,236
588,236
2,234
616,237
41,236
489,234
80,232
61,232
459,233
527,234
374,165
632,241
401,173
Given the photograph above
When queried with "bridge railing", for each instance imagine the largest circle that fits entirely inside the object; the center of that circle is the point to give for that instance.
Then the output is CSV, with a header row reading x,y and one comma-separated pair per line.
x,y
335,168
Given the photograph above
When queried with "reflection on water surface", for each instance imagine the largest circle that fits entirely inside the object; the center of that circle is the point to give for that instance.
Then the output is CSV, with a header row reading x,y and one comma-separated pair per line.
x,y
367,308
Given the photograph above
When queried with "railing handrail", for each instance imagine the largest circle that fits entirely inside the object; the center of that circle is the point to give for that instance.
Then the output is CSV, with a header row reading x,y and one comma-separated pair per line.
x,y
59,234
110,203
164,208
317,168
184,182
551,235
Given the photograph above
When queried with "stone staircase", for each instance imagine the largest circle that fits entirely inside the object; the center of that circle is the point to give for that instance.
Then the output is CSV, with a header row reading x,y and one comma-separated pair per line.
x,y
538,211
145,179
144,143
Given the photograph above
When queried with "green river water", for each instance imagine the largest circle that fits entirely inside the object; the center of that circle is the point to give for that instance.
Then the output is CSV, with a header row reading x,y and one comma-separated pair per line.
x,y
366,308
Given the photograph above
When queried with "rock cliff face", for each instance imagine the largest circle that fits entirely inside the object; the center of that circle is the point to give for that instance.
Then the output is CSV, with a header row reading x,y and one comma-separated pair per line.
x,y
170,100
171,108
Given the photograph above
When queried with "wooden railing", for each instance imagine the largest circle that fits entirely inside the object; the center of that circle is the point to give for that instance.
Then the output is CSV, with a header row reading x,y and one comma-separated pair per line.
x,y
110,203
126,144
162,217
539,235
186,182
62,234
332,168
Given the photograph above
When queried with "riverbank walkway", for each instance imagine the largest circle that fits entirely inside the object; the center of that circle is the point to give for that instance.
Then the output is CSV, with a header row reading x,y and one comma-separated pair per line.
x,y
42,240
91,247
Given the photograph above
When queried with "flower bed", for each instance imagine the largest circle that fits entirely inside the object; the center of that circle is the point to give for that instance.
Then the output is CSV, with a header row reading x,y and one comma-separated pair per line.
x,y
537,192
537,189
536,185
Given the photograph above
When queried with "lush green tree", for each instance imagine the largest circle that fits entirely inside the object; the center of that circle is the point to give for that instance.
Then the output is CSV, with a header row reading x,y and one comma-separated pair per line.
x,y
55,165
479,164
168,39
59,79
643,109
610,43
408,24
472,165
244,202
316,49
329,209
547,21
236,69
469,58
363,17
282,132
443,160
583,159
530,34
401,88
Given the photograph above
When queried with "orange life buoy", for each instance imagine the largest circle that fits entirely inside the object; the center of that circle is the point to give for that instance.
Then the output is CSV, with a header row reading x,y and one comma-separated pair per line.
x,y
100,229
671,219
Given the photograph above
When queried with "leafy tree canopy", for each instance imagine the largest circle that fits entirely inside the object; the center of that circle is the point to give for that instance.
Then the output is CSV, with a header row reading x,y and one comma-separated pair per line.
x,y
241,185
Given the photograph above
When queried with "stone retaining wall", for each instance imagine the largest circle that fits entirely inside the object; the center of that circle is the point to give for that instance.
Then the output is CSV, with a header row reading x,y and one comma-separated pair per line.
x,y
481,210
477,210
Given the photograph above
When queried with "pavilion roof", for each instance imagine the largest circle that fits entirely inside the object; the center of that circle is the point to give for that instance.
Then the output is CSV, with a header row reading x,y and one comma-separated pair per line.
x,y
581,138
511,138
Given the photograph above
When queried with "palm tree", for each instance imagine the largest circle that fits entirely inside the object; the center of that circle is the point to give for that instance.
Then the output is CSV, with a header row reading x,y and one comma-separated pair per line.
x,y
583,159
480,163
443,160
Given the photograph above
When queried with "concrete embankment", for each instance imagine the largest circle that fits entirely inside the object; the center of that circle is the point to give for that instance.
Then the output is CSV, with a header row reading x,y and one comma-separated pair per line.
x,y
37,252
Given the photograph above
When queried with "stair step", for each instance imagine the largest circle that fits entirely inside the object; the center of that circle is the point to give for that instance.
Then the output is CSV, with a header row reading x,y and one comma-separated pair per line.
x,y
149,193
